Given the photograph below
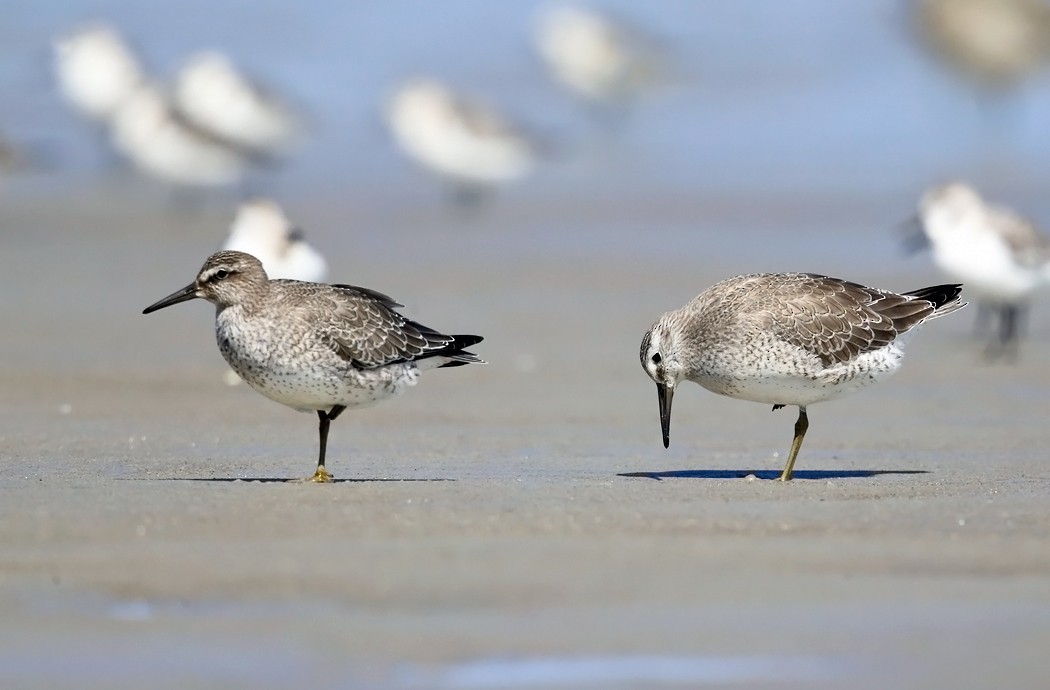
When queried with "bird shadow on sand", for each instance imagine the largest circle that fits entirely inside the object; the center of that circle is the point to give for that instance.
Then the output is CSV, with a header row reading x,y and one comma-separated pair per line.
x,y
296,480
763,474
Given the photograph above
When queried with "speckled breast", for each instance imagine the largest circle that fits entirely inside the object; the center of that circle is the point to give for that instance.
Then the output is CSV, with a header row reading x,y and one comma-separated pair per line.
x,y
302,374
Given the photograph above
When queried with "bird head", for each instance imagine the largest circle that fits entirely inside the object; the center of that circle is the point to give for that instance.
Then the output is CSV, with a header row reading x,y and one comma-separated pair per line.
x,y
659,357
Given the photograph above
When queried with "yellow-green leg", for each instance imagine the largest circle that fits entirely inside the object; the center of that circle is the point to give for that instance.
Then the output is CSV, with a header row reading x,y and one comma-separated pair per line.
x,y
322,475
801,425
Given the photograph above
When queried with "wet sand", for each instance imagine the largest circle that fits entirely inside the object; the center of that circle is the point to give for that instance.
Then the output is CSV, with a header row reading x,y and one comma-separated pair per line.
x,y
486,535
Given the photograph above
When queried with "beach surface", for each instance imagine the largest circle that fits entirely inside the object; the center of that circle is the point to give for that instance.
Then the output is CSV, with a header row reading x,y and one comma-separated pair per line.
x,y
516,524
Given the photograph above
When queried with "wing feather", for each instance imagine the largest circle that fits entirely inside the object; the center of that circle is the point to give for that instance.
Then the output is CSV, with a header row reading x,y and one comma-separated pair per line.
x,y
837,320
362,327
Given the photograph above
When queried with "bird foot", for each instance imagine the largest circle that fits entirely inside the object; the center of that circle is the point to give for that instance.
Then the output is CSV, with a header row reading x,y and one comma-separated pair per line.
x,y
321,476
785,476
997,352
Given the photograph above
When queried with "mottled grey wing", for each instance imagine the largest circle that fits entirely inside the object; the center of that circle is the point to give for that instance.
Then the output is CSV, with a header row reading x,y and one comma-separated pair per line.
x,y
366,331
836,320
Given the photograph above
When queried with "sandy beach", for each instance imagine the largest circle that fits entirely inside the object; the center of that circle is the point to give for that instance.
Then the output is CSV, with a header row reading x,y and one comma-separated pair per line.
x,y
485,534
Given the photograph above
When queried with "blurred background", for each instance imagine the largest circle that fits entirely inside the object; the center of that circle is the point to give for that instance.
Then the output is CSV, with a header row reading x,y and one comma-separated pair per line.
x,y
741,136
810,97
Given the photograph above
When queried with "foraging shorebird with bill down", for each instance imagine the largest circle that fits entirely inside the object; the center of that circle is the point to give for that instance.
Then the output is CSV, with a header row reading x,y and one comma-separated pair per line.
x,y
786,339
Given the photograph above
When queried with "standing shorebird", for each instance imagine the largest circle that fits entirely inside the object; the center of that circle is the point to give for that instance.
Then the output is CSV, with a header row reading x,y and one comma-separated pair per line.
x,y
261,229
96,70
786,339
215,96
600,60
1000,256
149,132
468,144
995,43
316,347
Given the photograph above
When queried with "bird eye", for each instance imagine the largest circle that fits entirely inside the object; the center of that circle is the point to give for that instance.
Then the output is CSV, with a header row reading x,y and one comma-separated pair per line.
x,y
657,358
221,274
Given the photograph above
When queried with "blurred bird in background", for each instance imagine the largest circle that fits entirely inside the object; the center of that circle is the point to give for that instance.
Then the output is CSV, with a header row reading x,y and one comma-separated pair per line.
x,y
160,142
994,43
605,63
216,97
209,130
997,254
261,229
96,70
470,146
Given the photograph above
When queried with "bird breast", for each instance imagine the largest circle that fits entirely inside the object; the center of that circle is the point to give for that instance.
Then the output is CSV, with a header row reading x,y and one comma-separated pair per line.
x,y
296,368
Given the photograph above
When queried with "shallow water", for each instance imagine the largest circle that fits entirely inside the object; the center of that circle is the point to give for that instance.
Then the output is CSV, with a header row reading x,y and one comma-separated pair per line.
x,y
631,671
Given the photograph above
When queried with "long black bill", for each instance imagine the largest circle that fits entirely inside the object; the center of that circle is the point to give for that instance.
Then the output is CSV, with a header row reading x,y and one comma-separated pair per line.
x,y
914,236
665,394
187,293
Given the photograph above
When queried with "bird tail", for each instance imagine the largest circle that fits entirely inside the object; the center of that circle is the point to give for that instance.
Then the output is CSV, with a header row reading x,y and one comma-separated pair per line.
x,y
458,356
944,298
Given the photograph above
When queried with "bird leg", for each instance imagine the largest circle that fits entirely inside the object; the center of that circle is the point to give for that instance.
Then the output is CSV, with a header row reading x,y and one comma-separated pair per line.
x,y
1005,344
322,475
801,425
467,197
1009,332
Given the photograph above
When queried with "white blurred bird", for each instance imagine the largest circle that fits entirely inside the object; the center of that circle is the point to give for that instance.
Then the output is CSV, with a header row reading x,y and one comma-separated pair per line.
x,y
594,57
211,92
96,70
157,140
998,255
261,229
466,143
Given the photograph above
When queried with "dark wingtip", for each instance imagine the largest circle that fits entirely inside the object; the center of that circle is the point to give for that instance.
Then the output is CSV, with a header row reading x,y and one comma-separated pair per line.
x,y
938,295
460,356
461,341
